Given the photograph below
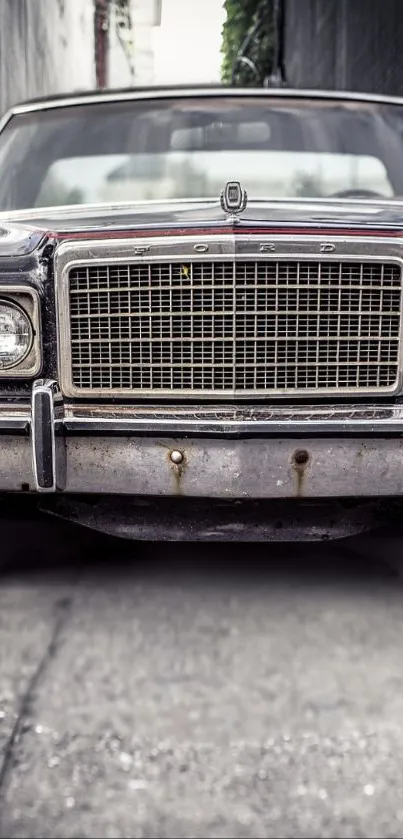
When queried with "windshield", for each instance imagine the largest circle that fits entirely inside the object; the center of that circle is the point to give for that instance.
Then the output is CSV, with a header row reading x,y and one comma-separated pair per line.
x,y
188,148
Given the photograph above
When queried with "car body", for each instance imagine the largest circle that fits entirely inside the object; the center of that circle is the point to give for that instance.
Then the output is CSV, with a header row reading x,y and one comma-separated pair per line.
x,y
201,312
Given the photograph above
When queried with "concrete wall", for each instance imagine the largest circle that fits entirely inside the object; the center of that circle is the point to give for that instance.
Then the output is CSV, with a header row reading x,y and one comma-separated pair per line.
x,y
120,51
46,46
131,49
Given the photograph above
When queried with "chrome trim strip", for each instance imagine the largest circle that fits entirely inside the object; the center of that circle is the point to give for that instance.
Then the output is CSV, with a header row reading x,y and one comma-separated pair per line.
x,y
12,424
195,92
236,247
226,420
242,244
216,419
15,418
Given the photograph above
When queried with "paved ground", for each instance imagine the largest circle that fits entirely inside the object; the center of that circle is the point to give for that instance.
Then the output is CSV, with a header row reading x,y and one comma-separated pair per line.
x,y
191,692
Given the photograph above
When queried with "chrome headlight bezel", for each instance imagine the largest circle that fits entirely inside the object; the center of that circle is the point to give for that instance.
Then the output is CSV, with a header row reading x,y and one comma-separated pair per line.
x,y
25,300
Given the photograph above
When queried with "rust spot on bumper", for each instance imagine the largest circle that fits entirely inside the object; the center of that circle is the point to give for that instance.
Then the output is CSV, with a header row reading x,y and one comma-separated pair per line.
x,y
300,462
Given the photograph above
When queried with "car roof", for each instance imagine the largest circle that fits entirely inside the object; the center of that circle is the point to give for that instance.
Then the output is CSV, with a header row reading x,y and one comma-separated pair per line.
x,y
176,91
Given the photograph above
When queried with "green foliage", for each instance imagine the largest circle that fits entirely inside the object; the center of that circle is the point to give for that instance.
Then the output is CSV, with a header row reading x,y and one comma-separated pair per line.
x,y
241,16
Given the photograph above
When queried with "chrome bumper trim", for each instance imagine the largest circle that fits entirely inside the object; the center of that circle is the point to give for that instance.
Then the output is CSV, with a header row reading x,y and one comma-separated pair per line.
x,y
126,450
245,468
10,424
217,420
14,418
229,420
48,449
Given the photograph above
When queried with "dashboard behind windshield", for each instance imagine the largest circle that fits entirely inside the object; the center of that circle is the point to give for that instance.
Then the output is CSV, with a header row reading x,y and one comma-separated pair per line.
x,y
140,150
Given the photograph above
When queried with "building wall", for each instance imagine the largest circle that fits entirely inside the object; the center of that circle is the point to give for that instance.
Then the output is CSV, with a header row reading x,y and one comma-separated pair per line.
x,y
46,47
120,50
345,44
131,50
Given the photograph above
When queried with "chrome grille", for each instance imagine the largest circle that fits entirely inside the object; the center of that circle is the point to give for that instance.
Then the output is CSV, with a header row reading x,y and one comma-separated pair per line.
x,y
235,327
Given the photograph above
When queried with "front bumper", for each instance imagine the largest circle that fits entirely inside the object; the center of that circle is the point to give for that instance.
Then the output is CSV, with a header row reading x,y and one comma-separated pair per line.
x,y
227,452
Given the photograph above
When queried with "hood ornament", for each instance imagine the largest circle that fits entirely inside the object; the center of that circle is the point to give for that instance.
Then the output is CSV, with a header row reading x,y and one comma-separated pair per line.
x,y
233,200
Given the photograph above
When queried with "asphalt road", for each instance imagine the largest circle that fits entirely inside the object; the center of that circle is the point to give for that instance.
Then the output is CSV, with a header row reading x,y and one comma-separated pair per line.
x,y
197,691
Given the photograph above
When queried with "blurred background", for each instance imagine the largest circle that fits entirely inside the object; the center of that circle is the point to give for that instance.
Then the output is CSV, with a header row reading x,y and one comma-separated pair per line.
x,y
54,46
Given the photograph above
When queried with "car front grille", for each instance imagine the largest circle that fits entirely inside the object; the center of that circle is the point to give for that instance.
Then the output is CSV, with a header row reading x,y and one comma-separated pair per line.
x,y
235,328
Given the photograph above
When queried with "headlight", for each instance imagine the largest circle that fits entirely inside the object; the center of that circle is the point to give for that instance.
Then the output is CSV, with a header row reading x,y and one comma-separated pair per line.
x,y
16,335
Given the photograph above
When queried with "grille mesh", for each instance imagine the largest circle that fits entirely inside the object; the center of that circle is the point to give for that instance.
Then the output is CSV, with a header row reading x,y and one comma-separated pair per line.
x,y
235,327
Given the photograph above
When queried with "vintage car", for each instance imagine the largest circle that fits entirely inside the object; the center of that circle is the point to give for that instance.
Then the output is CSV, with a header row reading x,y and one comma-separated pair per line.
x,y
201,312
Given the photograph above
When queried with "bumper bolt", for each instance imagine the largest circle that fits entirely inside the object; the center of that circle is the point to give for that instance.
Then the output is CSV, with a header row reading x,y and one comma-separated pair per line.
x,y
176,457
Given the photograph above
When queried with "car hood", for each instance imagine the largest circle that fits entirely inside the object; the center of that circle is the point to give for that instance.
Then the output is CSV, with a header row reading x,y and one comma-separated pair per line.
x,y
205,213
